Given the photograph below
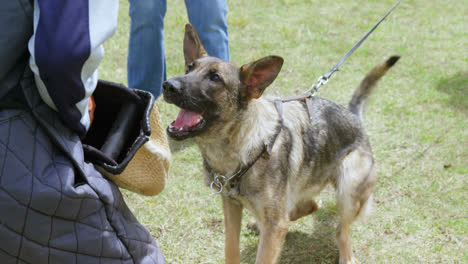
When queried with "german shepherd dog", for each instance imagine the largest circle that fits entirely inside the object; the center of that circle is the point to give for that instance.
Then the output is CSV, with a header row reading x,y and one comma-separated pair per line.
x,y
222,109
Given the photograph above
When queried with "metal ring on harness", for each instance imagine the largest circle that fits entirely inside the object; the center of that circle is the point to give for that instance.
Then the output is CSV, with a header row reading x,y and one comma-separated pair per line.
x,y
217,182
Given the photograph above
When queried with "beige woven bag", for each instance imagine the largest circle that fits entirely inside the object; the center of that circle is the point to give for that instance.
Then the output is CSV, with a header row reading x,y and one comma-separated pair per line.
x,y
148,170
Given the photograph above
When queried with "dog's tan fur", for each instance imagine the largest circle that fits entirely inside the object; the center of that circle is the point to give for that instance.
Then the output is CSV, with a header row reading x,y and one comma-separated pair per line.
x,y
330,146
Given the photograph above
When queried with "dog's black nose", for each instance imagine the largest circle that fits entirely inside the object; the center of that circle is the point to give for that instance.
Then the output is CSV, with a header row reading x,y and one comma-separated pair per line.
x,y
171,85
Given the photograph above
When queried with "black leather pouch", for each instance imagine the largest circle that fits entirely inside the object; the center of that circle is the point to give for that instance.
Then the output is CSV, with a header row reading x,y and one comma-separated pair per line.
x,y
120,126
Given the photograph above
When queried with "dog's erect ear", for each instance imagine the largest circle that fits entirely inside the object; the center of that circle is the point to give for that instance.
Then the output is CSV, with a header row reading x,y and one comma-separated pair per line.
x,y
193,48
257,75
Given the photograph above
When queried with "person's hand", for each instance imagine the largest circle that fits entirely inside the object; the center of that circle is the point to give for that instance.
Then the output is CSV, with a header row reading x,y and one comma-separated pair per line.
x,y
91,108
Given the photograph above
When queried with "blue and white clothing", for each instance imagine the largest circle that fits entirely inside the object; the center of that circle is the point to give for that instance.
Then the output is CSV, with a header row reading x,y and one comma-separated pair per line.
x,y
66,49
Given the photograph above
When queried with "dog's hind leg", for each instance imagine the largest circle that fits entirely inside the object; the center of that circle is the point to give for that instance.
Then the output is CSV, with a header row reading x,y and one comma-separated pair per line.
x,y
302,209
353,191
252,225
232,222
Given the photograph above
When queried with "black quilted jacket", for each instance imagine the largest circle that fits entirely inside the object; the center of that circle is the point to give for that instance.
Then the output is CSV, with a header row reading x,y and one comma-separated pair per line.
x,y
54,207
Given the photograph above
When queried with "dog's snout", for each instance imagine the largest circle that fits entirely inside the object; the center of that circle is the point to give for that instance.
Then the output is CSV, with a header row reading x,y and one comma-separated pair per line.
x,y
171,85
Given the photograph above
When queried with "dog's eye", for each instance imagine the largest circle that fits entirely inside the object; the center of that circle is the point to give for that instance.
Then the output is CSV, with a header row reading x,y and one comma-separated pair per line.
x,y
215,77
189,68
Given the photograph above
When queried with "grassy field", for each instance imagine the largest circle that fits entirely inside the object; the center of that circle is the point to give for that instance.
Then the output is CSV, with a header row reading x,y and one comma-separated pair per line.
x,y
417,121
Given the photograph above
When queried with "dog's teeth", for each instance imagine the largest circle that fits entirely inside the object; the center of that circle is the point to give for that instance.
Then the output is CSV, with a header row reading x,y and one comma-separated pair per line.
x,y
199,119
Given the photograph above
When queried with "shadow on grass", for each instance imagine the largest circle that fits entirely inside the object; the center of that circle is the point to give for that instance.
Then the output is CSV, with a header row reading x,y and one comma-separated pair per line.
x,y
457,87
319,246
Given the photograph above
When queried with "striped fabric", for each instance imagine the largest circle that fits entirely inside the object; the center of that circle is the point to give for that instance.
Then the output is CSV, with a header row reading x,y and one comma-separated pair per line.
x,y
66,49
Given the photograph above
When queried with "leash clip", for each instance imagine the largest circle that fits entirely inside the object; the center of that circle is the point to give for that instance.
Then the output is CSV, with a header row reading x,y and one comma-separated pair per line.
x,y
322,80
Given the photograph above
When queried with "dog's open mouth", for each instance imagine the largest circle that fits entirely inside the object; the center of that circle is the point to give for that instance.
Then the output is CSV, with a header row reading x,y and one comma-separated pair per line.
x,y
187,124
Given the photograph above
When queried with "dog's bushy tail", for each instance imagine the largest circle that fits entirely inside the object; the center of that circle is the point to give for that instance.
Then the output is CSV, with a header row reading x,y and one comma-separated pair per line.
x,y
365,88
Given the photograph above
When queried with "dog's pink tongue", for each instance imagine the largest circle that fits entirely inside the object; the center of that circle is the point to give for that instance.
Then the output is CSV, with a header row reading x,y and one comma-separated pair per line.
x,y
186,118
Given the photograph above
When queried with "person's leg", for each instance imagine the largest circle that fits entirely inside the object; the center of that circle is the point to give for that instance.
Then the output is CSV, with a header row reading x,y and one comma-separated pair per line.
x,y
146,59
209,19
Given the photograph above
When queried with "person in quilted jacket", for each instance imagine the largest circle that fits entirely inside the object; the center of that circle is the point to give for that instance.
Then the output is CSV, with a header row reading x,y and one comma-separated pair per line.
x,y
54,206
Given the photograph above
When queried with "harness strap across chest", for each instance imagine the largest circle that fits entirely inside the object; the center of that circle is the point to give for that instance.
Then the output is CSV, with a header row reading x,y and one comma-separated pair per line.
x,y
220,181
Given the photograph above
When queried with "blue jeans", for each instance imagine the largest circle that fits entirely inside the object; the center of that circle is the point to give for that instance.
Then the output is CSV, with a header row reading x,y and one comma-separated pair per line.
x,y
146,64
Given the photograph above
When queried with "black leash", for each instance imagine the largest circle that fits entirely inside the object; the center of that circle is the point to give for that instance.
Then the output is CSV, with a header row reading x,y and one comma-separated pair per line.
x,y
324,78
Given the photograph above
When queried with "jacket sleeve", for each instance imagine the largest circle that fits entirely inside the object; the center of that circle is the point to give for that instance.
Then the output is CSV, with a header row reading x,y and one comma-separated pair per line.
x,y
65,49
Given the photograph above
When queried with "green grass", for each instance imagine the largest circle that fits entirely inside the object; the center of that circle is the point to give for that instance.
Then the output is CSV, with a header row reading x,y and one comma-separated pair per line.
x,y
417,121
